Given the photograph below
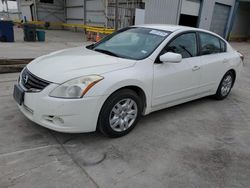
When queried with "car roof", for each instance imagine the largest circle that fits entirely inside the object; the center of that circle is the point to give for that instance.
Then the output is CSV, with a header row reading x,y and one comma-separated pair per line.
x,y
165,27
174,28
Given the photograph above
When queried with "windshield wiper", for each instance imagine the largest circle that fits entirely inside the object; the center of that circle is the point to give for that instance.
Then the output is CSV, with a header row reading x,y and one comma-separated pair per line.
x,y
106,52
184,48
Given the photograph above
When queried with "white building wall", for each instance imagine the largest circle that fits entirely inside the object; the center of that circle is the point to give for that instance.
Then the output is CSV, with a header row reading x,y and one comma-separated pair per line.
x,y
51,12
47,12
95,12
168,11
191,7
162,11
207,11
74,11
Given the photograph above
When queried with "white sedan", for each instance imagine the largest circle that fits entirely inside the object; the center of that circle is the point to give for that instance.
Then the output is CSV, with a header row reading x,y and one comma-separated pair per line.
x,y
109,85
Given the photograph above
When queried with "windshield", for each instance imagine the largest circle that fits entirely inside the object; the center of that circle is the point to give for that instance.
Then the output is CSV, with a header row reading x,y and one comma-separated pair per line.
x,y
132,43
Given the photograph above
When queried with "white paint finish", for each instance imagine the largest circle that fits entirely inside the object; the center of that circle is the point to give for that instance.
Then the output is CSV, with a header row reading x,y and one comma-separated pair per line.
x,y
92,60
190,7
165,84
139,16
174,81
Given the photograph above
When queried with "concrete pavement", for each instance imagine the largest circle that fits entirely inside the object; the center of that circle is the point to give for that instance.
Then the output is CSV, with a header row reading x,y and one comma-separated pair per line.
x,y
55,40
204,143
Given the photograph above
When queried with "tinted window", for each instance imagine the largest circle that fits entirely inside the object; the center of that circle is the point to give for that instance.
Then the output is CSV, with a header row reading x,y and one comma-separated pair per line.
x,y
132,43
184,44
209,44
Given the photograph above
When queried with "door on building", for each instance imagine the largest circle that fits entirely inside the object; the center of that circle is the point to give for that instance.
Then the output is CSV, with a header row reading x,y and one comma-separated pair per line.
x,y
190,10
220,19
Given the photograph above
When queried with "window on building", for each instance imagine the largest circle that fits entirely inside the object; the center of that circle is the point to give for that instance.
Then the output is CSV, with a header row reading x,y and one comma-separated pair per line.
x,y
184,44
209,44
47,1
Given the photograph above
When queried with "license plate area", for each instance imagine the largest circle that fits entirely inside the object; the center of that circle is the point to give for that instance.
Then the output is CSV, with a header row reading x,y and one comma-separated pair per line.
x,y
18,94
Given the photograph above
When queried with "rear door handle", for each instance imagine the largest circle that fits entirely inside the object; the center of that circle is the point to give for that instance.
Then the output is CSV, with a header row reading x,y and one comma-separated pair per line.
x,y
196,67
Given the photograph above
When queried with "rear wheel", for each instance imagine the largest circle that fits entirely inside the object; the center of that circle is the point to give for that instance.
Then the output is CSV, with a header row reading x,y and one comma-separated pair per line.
x,y
120,113
225,86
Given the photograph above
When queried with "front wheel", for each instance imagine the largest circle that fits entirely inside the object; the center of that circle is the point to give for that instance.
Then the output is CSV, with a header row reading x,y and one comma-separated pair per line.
x,y
225,86
120,113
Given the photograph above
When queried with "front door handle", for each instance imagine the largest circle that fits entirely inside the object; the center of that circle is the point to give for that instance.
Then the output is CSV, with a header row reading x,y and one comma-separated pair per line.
x,y
196,67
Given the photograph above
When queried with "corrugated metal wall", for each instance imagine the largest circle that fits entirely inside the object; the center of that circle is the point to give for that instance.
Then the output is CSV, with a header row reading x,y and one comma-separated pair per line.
x,y
95,12
220,19
102,12
51,12
74,11
162,11
168,11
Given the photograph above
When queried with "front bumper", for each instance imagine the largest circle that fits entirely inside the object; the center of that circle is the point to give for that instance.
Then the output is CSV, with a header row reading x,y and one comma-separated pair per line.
x,y
63,115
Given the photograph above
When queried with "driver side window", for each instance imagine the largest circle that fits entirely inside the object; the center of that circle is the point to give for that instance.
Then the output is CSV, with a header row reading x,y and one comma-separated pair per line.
x,y
184,44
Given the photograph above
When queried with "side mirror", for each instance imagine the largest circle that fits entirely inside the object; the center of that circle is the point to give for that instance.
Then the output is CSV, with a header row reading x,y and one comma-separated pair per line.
x,y
170,57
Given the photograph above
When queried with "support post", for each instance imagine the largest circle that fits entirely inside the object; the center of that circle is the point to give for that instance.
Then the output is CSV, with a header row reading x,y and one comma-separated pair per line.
x,y
85,12
116,15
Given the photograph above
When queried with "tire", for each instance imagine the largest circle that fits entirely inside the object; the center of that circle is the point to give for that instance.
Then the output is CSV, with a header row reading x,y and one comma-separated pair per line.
x,y
225,86
120,113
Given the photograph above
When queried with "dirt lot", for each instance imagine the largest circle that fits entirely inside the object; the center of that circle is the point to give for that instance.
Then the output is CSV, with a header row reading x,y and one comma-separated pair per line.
x,y
205,143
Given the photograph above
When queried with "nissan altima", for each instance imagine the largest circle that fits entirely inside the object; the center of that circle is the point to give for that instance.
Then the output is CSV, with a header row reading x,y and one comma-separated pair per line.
x,y
109,85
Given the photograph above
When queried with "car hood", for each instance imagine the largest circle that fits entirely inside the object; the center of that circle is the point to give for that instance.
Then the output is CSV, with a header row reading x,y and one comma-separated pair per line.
x,y
64,65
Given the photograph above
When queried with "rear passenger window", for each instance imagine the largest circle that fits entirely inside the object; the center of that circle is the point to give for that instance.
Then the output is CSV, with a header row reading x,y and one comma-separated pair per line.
x,y
209,44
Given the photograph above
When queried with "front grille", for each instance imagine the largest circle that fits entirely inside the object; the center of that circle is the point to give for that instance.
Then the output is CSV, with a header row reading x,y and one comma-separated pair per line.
x,y
32,82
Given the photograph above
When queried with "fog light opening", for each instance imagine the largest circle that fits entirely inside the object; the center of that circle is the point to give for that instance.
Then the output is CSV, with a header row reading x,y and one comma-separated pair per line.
x,y
58,120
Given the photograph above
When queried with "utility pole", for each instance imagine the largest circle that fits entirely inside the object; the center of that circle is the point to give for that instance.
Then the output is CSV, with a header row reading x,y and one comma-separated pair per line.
x,y
116,14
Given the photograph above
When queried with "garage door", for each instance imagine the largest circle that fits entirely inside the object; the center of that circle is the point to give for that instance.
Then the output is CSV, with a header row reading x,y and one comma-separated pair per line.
x,y
220,19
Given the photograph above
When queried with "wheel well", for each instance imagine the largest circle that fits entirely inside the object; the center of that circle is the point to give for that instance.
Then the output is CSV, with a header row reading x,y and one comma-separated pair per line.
x,y
139,92
234,73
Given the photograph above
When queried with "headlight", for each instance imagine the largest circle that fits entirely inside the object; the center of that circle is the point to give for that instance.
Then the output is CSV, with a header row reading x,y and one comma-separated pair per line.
x,y
75,88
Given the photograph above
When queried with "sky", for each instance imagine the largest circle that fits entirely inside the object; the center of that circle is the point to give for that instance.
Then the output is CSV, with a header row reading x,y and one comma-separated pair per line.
x,y
12,5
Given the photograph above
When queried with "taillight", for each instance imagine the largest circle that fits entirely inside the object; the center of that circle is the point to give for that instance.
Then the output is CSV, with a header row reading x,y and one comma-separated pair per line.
x,y
241,56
